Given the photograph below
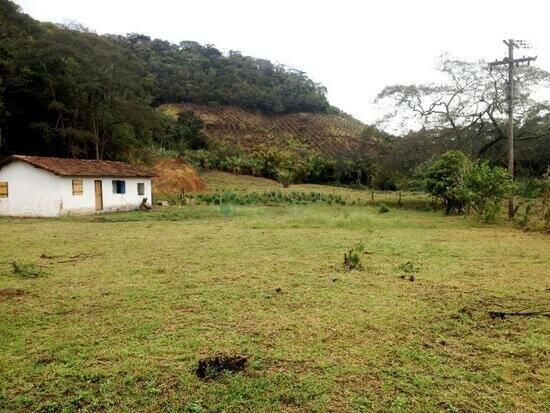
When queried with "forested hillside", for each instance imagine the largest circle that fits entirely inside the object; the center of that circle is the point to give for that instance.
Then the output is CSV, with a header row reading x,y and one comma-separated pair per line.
x,y
69,92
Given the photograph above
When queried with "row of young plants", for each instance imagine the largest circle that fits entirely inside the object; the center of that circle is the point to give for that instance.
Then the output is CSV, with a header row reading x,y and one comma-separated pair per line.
x,y
269,197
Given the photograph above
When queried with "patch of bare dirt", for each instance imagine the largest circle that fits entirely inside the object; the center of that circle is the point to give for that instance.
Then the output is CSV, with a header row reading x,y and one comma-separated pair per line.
x,y
62,259
12,292
211,366
174,176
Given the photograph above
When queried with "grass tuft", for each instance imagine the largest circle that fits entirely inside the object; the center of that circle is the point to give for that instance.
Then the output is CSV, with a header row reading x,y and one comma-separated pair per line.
x,y
352,258
26,270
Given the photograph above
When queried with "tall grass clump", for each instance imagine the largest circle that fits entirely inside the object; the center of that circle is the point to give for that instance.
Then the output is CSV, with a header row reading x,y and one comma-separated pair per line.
x,y
26,270
352,258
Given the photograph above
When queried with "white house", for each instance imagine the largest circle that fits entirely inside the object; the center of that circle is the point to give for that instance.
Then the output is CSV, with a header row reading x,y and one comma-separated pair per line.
x,y
49,187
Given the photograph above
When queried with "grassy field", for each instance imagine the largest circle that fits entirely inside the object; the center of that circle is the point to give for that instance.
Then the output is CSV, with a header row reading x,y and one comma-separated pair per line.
x,y
126,304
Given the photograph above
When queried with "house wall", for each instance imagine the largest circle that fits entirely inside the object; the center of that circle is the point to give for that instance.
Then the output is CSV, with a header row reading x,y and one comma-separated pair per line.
x,y
85,203
31,191
34,192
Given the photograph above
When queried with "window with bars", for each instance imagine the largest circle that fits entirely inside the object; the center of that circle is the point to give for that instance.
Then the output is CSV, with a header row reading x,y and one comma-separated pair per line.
x,y
78,187
3,189
141,188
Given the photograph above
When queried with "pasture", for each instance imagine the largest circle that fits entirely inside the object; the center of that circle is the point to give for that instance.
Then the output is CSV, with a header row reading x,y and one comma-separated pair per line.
x,y
123,306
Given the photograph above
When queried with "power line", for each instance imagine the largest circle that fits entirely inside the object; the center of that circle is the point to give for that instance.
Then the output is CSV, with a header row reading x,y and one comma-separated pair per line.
x,y
511,62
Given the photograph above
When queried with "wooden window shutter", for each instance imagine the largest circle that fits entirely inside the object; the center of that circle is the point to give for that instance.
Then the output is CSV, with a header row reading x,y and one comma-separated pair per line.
x,y
78,188
3,189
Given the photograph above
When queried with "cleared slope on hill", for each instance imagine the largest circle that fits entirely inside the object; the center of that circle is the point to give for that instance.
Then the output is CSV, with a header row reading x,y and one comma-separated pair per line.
x,y
329,134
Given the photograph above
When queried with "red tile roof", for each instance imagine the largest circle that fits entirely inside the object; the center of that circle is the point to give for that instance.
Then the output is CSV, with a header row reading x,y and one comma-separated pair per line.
x,y
82,167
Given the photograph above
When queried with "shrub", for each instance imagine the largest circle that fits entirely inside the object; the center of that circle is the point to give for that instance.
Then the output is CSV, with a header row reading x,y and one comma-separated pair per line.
x,y
384,209
352,258
444,179
407,268
485,188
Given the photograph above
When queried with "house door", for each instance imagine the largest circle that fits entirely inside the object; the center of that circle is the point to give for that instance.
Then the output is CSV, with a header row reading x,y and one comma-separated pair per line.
x,y
98,196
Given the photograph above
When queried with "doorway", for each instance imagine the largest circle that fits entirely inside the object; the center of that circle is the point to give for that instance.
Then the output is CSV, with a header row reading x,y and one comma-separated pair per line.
x,y
98,195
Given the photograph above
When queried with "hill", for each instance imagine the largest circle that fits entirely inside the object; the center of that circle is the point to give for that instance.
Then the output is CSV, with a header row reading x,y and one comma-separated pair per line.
x,y
67,91
332,135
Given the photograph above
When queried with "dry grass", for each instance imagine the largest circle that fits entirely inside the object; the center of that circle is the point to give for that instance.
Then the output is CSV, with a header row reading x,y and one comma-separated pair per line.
x,y
132,301
175,176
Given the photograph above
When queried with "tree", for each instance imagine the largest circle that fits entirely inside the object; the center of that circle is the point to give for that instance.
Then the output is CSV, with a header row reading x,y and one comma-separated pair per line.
x,y
462,183
468,105
188,132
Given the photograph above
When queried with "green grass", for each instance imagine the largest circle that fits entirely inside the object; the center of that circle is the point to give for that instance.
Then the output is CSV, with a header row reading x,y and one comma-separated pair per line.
x,y
129,303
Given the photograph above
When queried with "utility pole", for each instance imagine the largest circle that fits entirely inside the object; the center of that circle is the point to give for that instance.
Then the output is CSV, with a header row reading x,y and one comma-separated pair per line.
x,y
510,61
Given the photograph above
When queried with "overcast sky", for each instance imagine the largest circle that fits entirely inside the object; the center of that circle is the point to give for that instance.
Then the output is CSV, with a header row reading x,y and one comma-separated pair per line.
x,y
354,48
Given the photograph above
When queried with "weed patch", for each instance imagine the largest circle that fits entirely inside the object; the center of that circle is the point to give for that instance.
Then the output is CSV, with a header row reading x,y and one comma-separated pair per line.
x,y
407,268
407,271
352,258
26,270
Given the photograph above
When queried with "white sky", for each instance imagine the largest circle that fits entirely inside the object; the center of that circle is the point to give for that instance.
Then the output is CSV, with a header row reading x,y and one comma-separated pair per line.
x,y
354,48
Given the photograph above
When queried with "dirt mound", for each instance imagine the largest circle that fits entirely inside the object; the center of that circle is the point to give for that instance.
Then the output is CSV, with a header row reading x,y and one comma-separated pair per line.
x,y
175,175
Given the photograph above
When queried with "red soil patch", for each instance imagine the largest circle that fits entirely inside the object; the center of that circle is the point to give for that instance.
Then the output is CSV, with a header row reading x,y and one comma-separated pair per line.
x,y
12,292
175,175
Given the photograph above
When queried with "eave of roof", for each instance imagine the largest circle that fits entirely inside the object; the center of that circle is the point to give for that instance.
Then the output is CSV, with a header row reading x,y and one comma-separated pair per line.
x,y
82,167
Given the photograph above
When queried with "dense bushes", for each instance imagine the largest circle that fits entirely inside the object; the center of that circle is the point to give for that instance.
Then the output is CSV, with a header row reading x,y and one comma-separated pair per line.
x,y
285,166
484,189
462,183
444,178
